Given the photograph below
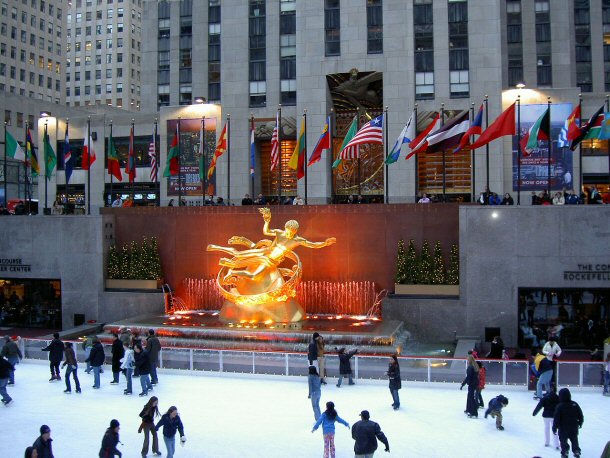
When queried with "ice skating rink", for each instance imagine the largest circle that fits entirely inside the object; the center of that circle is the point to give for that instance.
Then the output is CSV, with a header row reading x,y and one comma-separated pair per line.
x,y
266,416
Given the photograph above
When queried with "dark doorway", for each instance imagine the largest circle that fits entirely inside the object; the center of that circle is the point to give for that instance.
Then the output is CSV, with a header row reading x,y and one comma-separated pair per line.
x,y
30,303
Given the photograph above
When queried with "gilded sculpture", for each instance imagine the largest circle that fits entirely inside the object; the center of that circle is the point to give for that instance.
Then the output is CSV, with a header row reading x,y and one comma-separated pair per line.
x,y
255,286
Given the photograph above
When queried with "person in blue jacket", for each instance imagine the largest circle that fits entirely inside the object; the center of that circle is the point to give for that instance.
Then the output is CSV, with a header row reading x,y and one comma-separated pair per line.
x,y
472,380
545,375
171,423
315,390
494,409
327,420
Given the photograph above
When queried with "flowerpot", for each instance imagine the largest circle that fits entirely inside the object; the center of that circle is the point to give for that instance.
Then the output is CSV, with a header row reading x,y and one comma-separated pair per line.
x,y
131,284
427,290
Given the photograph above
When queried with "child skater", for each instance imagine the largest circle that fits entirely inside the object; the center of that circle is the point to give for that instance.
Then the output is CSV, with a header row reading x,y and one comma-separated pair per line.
x,y
495,410
548,403
327,420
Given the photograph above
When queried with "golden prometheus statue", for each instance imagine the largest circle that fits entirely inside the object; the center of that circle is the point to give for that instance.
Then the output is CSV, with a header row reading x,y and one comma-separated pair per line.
x,y
255,287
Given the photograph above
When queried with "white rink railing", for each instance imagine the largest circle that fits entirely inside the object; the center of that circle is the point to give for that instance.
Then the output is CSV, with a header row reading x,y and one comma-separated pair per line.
x,y
412,368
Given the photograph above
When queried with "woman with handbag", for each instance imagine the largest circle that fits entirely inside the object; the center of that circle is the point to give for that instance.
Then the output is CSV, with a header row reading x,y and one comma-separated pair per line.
x,y
148,414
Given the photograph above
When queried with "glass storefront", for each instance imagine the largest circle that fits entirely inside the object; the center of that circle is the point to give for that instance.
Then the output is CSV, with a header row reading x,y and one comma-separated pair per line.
x,y
30,303
578,318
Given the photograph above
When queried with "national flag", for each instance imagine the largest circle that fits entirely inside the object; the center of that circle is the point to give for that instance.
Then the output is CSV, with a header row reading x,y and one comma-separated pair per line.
x,y
475,129
574,124
594,125
88,151
30,153
13,148
562,140
172,167
351,133
221,147
540,130
114,168
450,135
605,132
275,145
420,143
50,160
152,154
371,132
252,150
130,167
297,161
202,151
323,143
406,136
503,125
67,156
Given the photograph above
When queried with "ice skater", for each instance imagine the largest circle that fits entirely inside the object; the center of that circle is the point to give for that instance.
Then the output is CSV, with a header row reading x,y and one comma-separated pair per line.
x,y
395,383
5,373
312,350
315,391
547,404
117,354
607,375
110,441
96,358
148,415
153,347
545,375
327,420
30,452
482,380
568,419
366,433
495,410
56,354
345,367
10,350
171,423
321,359
143,367
472,380
71,366
44,444
127,364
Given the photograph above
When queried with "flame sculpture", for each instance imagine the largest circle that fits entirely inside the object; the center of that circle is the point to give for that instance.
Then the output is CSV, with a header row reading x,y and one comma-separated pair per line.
x,y
252,282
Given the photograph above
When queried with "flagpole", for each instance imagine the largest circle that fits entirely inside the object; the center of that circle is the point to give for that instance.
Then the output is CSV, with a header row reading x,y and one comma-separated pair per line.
x,y
387,171
45,166
26,164
358,150
203,161
580,147
607,110
179,168
66,206
444,164
279,147
158,198
548,159
111,175
518,149
88,165
473,160
304,153
416,167
252,162
331,154
5,169
133,182
487,150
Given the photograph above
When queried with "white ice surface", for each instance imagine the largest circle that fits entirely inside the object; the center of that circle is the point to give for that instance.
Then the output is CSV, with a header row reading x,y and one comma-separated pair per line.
x,y
266,416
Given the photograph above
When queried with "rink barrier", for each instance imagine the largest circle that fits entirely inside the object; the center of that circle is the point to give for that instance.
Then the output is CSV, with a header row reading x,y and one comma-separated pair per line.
x,y
369,367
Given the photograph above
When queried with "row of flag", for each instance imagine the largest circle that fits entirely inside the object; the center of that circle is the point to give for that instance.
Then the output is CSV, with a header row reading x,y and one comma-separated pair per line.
x,y
455,135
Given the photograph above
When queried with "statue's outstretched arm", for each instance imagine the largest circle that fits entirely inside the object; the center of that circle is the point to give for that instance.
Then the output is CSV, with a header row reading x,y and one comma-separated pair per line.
x,y
266,212
306,243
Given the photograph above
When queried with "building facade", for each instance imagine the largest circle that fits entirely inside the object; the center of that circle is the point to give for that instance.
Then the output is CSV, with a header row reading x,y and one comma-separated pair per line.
x,y
103,49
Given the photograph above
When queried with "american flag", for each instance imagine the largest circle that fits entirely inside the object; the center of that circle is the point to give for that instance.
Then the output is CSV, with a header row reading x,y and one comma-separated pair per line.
x,y
371,132
275,145
152,153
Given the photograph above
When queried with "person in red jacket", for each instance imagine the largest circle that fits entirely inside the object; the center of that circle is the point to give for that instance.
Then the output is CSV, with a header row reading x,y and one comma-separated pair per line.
x,y
482,378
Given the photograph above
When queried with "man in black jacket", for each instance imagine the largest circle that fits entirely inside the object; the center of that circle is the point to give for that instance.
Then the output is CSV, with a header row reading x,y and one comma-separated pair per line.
x,y
568,420
153,347
5,371
96,358
366,432
117,354
56,354
43,444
